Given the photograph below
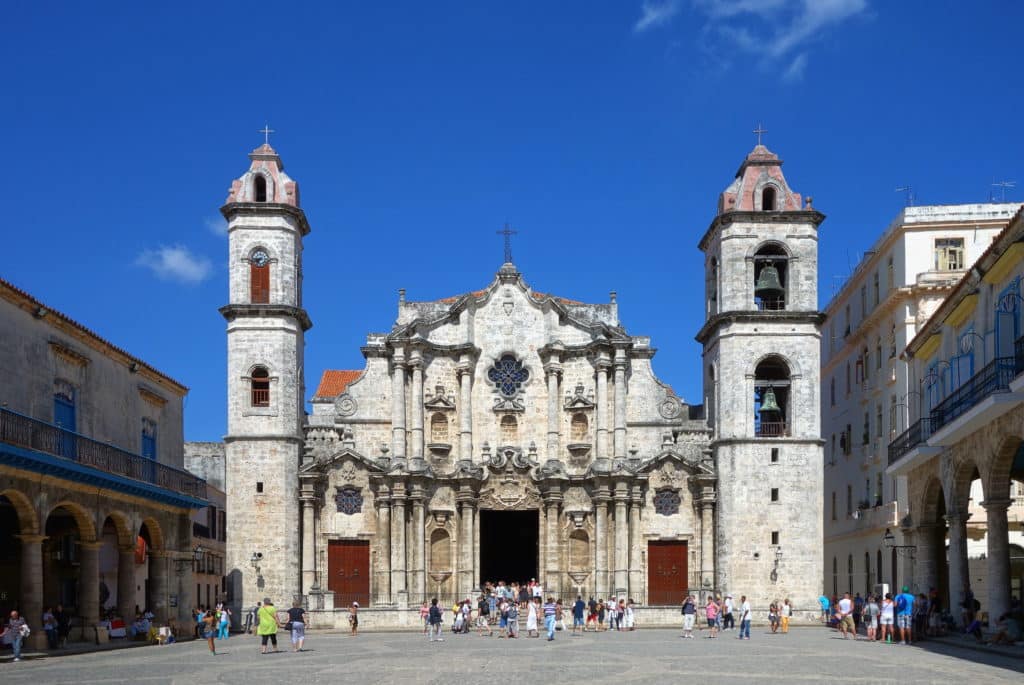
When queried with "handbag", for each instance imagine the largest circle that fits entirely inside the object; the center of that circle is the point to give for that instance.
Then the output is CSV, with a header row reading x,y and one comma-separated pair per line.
x,y
288,626
25,630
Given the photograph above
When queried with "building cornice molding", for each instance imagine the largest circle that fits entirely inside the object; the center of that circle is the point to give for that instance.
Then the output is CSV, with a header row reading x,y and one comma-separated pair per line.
x,y
756,316
247,209
233,311
801,216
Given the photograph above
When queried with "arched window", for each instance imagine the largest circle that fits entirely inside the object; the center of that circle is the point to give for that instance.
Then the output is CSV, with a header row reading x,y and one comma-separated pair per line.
x,y
771,277
849,573
578,428
259,186
509,430
835,576
439,428
768,199
260,380
259,277
867,573
878,566
771,398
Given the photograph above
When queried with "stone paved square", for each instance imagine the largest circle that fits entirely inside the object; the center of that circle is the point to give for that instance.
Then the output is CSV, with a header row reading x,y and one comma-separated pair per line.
x,y
647,656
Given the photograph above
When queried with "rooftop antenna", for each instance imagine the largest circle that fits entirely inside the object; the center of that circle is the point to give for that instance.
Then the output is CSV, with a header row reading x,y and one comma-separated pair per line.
x,y
909,194
1003,185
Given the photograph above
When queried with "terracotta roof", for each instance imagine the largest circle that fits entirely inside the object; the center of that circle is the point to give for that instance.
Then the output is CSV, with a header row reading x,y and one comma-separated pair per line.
x,y
450,300
333,382
563,300
22,299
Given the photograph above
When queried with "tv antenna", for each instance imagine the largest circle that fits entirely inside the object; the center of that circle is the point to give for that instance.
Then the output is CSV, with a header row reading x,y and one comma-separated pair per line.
x,y
909,191
1003,185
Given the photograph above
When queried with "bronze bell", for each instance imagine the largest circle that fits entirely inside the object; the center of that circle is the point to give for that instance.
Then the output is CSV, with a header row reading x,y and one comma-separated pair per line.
x,y
768,284
769,402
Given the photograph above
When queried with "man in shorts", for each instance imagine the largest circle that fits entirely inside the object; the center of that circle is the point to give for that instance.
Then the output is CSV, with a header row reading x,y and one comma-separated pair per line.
x,y
689,612
845,613
483,617
577,614
905,615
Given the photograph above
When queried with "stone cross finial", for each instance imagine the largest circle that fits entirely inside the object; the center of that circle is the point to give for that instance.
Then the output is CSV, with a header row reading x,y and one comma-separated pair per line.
x,y
759,130
266,131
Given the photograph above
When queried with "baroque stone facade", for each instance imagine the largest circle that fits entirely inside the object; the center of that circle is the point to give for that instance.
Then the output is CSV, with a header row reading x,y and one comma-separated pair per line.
x,y
508,415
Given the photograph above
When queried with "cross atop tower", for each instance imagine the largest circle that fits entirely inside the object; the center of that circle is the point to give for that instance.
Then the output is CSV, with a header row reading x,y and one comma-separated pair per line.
x,y
508,233
266,131
760,130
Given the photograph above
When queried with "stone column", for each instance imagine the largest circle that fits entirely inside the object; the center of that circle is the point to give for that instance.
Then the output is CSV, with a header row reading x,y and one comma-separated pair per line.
x,y
158,584
419,571
998,560
398,551
958,569
465,569
398,405
416,364
554,372
308,542
620,402
621,540
635,544
707,538
925,573
465,374
553,572
601,413
384,549
601,542
89,582
126,586
30,599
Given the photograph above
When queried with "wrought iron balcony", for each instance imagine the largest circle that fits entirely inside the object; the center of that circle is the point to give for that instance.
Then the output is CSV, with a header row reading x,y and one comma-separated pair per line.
x,y
23,431
995,377
918,432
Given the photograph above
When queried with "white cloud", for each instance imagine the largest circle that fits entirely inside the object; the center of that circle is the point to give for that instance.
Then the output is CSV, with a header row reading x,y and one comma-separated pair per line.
x,y
795,71
216,225
175,263
815,16
654,14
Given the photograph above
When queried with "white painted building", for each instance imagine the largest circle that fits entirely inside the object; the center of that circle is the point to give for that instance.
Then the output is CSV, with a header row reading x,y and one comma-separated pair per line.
x,y
866,397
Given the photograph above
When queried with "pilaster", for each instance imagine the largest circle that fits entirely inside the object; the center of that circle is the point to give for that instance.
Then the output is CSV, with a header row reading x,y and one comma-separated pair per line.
x,y
398,405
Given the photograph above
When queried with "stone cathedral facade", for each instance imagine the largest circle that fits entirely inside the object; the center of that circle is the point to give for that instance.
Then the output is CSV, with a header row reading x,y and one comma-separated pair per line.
x,y
511,434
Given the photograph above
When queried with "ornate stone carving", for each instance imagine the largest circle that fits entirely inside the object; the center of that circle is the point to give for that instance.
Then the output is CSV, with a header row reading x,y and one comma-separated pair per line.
x,y
577,400
510,491
666,502
439,400
670,407
668,475
349,500
509,456
347,472
345,405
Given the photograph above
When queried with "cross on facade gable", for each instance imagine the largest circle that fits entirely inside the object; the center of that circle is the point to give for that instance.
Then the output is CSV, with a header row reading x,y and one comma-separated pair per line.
x,y
508,233
266,131
760,130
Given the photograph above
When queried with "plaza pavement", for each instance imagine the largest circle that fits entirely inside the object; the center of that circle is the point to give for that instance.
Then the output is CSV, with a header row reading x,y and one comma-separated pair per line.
x,y
806,655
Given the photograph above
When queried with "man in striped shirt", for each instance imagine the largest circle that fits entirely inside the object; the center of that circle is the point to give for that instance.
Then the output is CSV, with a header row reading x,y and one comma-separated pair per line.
x,y
549,618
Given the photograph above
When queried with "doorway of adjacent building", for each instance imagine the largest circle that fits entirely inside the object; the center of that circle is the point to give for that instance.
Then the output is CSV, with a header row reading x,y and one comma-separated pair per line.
x,y
508,546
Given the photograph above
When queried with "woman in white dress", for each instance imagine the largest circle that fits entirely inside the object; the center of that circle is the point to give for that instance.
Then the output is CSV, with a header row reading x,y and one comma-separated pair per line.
x,y
531,619
627,617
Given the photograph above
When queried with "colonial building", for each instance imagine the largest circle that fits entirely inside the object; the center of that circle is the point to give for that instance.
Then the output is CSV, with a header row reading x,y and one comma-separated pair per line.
x,y
209,525
511,419
94,505
905,275
963,452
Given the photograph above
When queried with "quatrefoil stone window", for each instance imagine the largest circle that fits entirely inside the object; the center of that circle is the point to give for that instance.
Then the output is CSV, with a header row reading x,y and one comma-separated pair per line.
x,y
508,375
666,502
349,500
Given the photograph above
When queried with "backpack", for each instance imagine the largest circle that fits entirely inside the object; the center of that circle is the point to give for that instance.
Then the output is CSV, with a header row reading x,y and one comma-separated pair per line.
x,y
901,603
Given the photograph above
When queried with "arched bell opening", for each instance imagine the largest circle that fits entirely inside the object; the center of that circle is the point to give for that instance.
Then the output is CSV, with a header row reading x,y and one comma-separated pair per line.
x,y
771,278
771,398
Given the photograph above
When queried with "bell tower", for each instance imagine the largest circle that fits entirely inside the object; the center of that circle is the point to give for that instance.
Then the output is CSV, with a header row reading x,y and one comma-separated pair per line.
x,y
761,367
266,327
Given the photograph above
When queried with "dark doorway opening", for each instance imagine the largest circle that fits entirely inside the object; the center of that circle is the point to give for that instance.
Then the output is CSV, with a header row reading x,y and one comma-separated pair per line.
x,y
508,546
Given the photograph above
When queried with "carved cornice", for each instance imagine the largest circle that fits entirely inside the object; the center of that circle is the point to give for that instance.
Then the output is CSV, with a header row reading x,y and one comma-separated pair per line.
x,y
67,354
757,316
801,216
232,311
248,209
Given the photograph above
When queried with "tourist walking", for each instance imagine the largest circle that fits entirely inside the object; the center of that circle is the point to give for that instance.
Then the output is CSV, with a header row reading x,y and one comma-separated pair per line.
x,y
482,614
787,613
613,613
870,617
773,617
17,630
297,621
887,618
601,609
728,618
689,612
434,619
210,630
266,625
531,618
577,614
50,626
628,617
513,618
63,625
550,609
353,619
845,614
825,604
425,617
223,622
905,615
711,614
745,616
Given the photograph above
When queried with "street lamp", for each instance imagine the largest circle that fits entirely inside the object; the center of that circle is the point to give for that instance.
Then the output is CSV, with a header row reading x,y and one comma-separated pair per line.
x,y
889,540
255,560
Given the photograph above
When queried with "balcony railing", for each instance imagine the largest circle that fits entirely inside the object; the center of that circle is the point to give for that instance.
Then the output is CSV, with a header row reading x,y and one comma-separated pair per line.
x,y
918,432
995,377
23,431
771,304
772,429
200,531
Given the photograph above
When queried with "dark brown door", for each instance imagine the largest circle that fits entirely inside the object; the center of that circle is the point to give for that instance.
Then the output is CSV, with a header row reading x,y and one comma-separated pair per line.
x,y
666,573
348,570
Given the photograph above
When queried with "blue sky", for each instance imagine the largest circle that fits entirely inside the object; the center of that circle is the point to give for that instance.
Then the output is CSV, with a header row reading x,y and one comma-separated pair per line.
x,y
603,131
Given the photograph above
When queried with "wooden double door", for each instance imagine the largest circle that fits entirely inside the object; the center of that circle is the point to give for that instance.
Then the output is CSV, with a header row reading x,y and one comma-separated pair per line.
x,y
667,577
348,572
